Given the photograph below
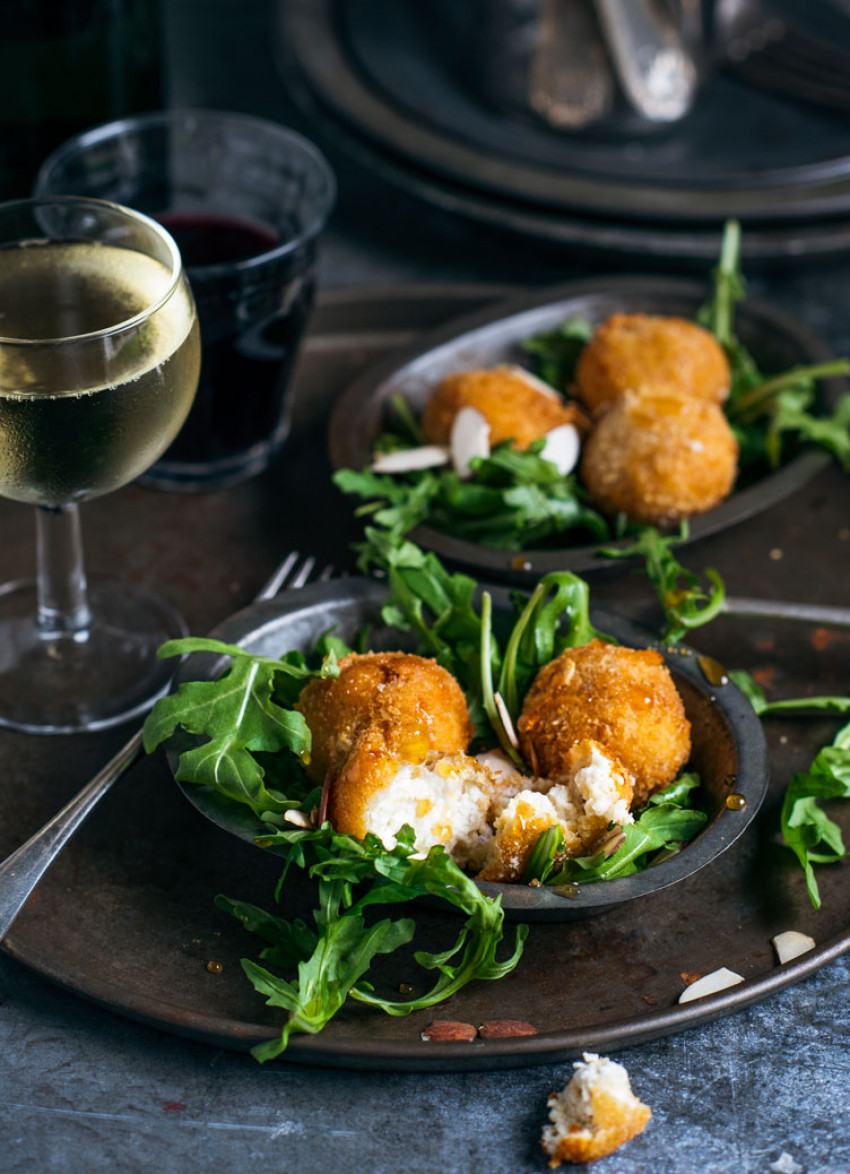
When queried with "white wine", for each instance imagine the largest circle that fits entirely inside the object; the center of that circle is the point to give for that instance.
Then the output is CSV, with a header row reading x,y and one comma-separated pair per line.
x,y
89,399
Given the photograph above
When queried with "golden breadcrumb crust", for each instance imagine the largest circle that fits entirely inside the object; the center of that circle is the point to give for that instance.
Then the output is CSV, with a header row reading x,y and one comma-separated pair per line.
x,y
613,1125
629,351
623,698
514,409
657,457
382,709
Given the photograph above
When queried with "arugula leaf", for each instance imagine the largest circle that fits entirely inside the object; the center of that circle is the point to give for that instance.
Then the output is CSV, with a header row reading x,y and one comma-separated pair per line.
x,y
540,634
408,423
240,718
764,708
806,829
548,849
514,500
556,352
397,503
686,602
439,608
330,963
728,288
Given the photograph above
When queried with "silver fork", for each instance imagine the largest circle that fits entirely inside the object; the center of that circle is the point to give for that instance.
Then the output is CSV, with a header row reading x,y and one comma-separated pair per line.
x,y
21,872
799,613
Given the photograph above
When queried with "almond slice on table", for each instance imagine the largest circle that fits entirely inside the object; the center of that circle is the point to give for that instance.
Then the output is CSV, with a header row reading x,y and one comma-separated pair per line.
x,y
562,448
791,944
710,984
470,438
408,460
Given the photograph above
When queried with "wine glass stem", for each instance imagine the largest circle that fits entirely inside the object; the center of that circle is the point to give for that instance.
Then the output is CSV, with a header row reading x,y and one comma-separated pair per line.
x,y
62,590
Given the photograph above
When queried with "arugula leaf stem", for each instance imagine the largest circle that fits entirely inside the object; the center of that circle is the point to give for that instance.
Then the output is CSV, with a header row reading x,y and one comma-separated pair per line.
x,y
487,696
728,287
753,402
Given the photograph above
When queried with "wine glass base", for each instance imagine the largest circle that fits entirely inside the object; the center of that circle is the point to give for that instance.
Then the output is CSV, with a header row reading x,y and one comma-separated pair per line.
x,y
68,682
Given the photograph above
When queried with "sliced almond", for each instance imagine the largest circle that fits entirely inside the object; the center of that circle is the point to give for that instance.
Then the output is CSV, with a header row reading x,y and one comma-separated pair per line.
x,y
562,448
297,817
505,719
531,380
408,460
791,944
710,984
470,438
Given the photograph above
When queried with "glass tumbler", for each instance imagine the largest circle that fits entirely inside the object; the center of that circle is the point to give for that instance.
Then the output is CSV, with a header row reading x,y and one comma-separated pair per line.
x,y
246,200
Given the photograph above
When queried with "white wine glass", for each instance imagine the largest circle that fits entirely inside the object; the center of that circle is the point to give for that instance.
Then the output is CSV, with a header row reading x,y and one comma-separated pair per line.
x,y
99,363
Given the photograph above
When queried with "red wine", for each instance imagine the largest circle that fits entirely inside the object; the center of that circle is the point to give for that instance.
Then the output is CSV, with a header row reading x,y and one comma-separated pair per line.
x,y
252,318
207,239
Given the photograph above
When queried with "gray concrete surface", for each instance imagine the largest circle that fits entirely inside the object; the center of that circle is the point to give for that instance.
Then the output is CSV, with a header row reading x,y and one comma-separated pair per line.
x,y
81,1090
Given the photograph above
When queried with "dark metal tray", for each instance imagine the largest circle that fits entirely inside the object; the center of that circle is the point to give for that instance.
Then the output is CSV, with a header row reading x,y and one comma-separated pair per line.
x,y
125,916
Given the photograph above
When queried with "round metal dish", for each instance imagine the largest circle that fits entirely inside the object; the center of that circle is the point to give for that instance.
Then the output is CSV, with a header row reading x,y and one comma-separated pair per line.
x,y
495,336
729,749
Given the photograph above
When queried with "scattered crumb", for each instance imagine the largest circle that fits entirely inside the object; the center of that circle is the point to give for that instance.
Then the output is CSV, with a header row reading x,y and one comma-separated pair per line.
x,y
843,535
688,978
764,677
783,740
785,1164
776,554
650,1000
767,645
594,1114
824,638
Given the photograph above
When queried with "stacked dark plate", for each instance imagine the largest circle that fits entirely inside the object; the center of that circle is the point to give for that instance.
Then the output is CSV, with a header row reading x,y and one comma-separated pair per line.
x,y
393,85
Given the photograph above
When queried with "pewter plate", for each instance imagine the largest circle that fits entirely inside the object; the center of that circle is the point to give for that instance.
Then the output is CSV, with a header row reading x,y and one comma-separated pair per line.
x,y
495,336
729,749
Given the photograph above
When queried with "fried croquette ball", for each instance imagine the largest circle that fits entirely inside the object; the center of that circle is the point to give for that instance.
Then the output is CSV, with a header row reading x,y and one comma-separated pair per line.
x,y
417,704
623,698
445,798
631,351
514,407
596,793
656,457
594,1114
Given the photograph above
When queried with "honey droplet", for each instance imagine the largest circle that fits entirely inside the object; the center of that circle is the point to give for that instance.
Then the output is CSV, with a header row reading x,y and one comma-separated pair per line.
x,y
730,780
518,563
215,967
713,670
736,802
570,889
404,988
